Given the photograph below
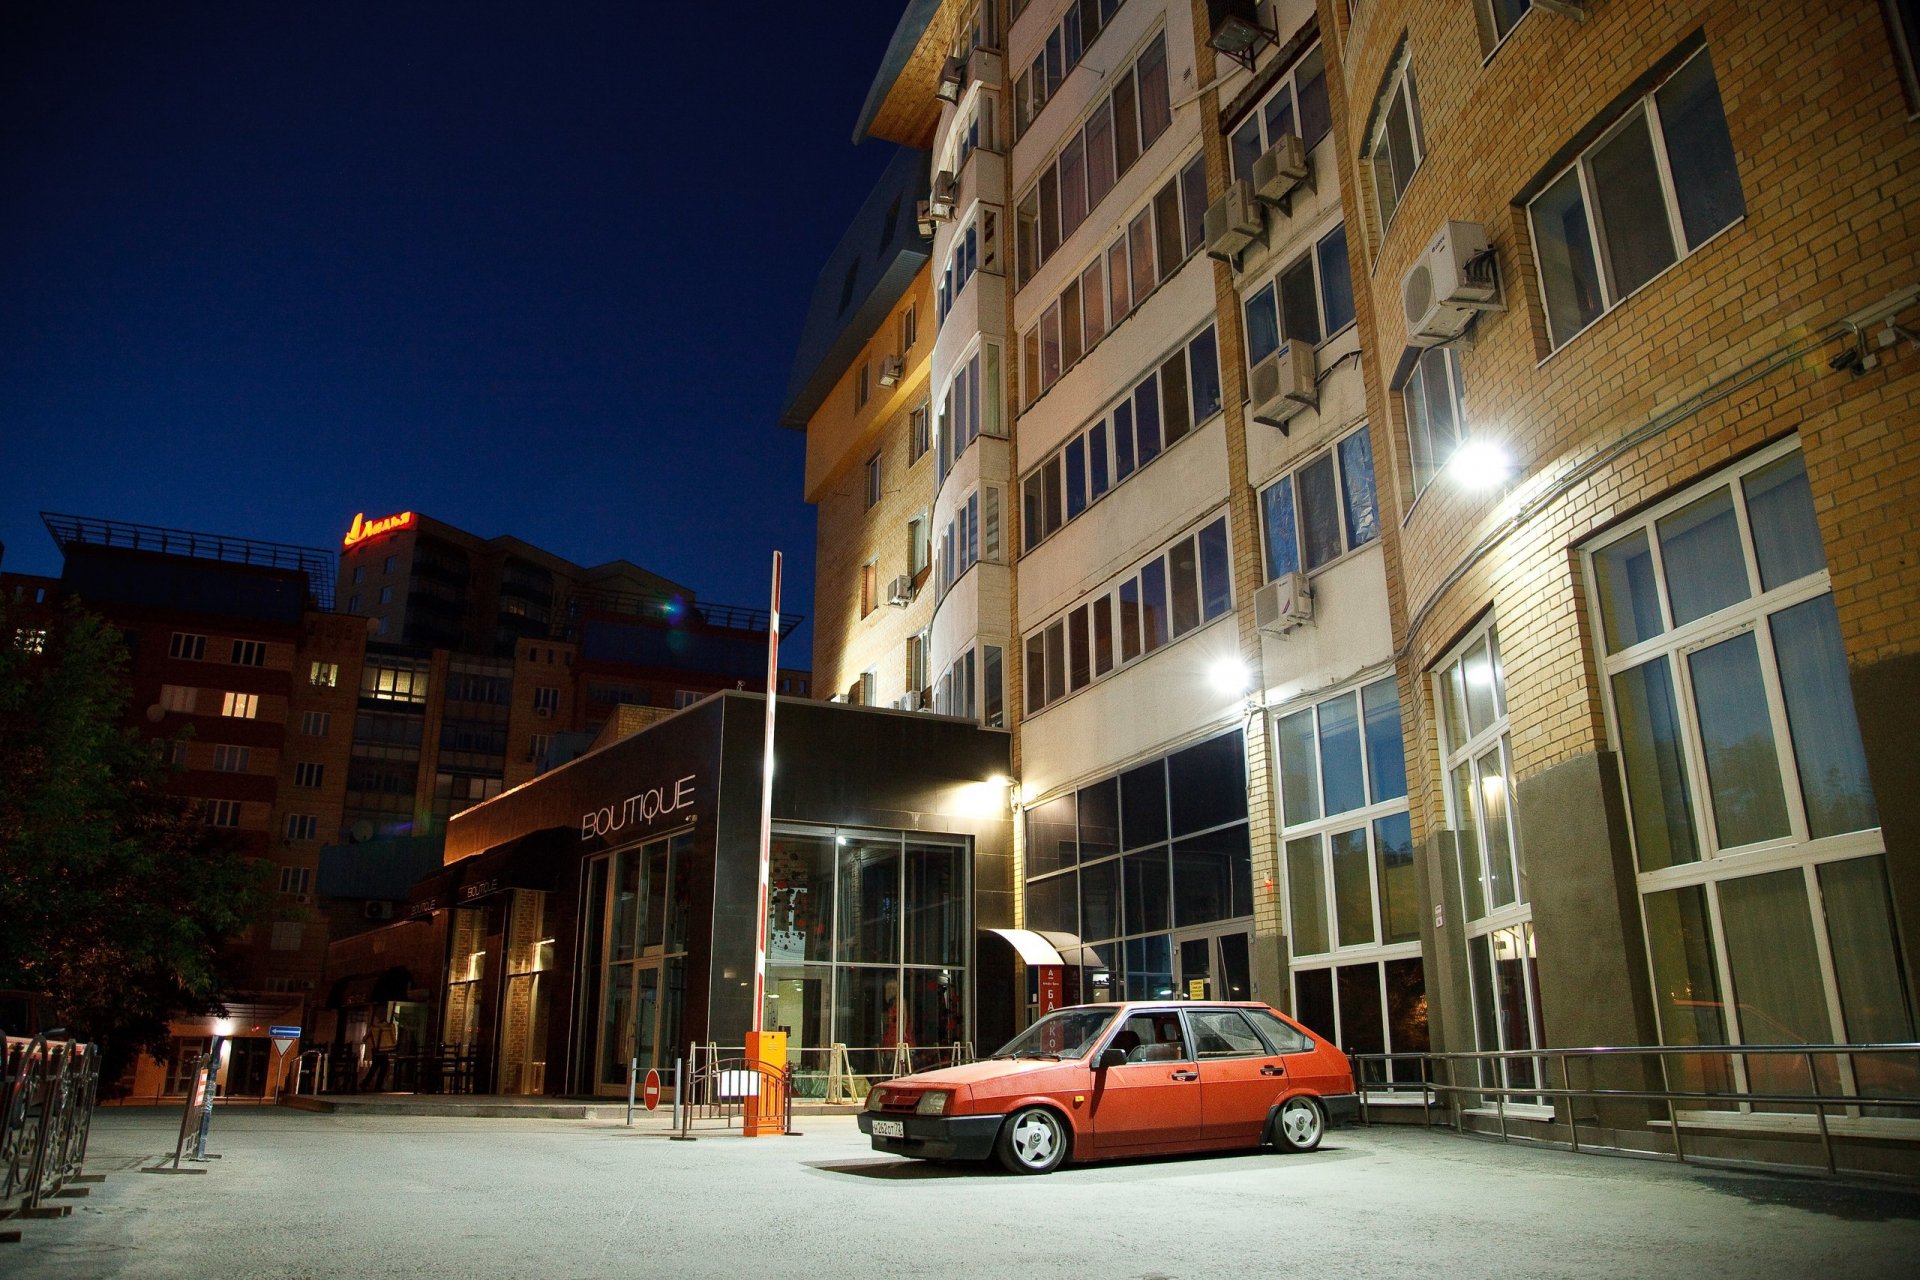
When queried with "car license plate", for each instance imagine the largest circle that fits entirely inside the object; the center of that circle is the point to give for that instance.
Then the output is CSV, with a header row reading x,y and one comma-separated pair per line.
x,y
889,1129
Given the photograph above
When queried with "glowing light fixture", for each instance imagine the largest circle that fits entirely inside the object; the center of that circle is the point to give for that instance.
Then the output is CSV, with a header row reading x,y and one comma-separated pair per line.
x,y
1481,464
1229,674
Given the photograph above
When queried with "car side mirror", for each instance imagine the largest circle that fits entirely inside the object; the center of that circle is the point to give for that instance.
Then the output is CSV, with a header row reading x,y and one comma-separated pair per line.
x,y
1111,1058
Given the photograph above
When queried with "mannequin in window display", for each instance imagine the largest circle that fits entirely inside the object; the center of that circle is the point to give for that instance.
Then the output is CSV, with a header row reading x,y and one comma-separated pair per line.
x,y
890,1015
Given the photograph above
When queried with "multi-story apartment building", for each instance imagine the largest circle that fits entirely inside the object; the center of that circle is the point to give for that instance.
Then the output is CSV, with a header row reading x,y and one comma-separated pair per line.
x,y
860,392
1460,584
1637,279
237,662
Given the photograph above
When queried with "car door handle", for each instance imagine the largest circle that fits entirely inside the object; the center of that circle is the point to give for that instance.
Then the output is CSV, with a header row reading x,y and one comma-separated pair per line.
x,y
1186,1075
1271,1070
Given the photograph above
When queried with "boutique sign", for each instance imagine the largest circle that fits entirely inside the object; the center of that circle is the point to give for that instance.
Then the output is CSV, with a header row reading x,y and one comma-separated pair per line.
x,y
642,809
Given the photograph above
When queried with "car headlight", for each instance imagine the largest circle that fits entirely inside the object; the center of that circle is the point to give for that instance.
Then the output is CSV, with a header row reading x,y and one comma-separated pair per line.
x,y
932,1103
873,1098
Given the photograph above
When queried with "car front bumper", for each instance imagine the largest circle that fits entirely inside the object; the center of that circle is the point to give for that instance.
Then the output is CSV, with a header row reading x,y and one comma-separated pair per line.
x,y
936,1137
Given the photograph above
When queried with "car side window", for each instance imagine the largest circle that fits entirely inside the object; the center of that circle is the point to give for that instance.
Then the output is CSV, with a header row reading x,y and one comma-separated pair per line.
x,y
1282,1035
1225,1033
1153,1037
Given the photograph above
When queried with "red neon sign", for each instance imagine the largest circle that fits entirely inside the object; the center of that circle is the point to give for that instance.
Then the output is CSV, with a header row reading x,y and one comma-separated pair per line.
x,y
364,528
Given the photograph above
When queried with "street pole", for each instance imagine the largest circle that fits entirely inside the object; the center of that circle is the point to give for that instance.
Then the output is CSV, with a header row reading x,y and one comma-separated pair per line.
x,y
765,1109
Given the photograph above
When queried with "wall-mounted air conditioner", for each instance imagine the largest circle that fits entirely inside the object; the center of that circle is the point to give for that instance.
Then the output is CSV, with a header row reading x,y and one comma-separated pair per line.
x,y
1283,604
923,219
900,590
1451,280
891,369
946,191
379,911
1282,168
1233,222
953,75
1283,384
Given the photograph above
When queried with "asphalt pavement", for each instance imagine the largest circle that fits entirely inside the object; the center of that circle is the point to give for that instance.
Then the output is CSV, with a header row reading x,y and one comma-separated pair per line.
x,y
298,1194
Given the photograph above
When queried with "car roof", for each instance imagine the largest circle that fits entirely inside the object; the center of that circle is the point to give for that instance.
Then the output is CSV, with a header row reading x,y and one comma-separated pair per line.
x,y
1137,1006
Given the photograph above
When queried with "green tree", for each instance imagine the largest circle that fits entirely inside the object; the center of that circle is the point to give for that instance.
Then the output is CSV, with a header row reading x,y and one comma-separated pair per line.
x,y
116,902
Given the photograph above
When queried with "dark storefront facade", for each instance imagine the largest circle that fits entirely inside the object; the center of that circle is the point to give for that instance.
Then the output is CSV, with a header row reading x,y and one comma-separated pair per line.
x,y
605,911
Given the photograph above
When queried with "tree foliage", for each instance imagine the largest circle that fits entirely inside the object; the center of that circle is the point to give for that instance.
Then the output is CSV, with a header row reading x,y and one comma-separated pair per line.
x,y
115,901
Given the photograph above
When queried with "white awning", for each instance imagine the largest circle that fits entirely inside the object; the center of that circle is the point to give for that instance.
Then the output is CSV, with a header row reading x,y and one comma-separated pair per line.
x,y
1030,946
1073,951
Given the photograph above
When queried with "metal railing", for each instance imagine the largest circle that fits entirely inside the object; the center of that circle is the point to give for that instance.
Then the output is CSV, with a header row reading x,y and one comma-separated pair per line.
x,y
843,1073
46,1116
724,1090
1756,1094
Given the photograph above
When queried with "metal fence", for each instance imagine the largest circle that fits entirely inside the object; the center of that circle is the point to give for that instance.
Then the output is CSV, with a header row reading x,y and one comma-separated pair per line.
x,y
46,1115
1749,1102
720,1091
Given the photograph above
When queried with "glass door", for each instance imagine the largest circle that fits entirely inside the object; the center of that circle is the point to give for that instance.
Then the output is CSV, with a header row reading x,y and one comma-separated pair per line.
x,y
1213,965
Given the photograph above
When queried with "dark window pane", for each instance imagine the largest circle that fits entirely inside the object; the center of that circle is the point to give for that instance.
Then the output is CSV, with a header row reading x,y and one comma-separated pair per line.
x,y
1100,172
1079,656
935,916
1623,580
1736,735
1706,181
1340,755
1245,147
1319,511
1100,901
1686,981
1193,205
1336,281
1126,126
1143,805
1307,894
1076,477
1050,493
1100,819
1315,116
1786,537
1206,872
1399,890
1146,416
1299,305
1049,213
1156,110
1102,635
1203,357
1056,662
1630,209
1263,326
869,900
1051,839
1700,547
1361,1029
1153,604
1173,396
1149,893
1216,586
1820,718
1386,758
1276,524
1567,270
1658,798
1129,620
1184,571
1299,769
1207,784
1149,967
1051,905
1122,440
1097,478
1036,673
1313,1001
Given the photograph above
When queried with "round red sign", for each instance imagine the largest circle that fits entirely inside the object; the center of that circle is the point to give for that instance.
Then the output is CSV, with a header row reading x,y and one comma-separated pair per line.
x,y
650,1092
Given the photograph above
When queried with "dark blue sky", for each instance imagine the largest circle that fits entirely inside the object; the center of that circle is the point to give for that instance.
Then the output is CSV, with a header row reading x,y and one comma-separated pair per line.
x,y
533,269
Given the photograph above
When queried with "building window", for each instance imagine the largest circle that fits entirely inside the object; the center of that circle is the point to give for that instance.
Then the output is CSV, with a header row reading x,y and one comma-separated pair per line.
x,y
392,683
1178,395
302,826
1347,856
916,675
316,724
1149,249
540,749
324,675
919,433
862,381
386,595
1477,759
1397,144
1731,713
392,563
873,482
177,697
686,697
228,759
1296,105
970,408
1323,510
1658,184
1177,591
191,647
1498,18
359,574
250,653
1308,301
909,328
1903,23
220,813
174,752
240,706
286,935
185,1063
1125,862
296,880
1057,55
353,603
1435,422
546,700
30,639
869,587
1124,125
919,546
308,774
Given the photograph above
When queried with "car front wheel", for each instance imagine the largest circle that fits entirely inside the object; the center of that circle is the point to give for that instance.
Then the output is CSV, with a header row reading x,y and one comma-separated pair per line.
x,y
1032,1141
1300,1125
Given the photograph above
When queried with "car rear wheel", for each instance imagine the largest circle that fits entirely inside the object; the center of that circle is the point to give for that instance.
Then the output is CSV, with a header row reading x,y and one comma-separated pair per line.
x,y
1032,1141
1300,1125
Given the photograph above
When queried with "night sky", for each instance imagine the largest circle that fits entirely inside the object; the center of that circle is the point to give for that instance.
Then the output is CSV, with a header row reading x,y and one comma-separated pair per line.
x,y
530,269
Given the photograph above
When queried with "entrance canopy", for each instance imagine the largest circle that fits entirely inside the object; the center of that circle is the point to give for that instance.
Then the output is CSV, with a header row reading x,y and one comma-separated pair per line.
x,y
1029,946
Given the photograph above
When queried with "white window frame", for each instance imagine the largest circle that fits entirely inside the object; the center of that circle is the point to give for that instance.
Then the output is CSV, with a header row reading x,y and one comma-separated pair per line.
x,y
240,706
1414,392
1399,83
1491,37
1292,477
187,647
1311,254
1289,83
231,759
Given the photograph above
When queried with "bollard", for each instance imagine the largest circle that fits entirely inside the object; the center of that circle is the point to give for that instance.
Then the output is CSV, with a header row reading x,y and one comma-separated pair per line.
x,y
633,1069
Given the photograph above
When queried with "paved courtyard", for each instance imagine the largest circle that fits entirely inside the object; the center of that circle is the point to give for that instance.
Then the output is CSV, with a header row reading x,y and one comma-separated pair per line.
x,y
307,1195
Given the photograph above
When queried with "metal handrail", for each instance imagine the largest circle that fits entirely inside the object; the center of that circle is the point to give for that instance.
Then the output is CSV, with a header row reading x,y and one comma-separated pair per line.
x,y
46,1117
1449,1092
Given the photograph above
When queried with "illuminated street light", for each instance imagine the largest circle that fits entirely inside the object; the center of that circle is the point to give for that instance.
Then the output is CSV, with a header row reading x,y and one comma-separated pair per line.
x,y
1481,464
1229,675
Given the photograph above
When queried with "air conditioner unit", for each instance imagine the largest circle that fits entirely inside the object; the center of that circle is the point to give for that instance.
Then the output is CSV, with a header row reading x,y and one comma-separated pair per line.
x,y
953,75
1283,604
946,191
1452,279
379,911
1280,169
304,899
900,590
891,368
924,220
904,702
545,713
1233,222
1283,384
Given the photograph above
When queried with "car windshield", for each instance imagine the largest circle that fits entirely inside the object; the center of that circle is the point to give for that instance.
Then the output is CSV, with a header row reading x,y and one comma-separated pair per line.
x,y
1069,1033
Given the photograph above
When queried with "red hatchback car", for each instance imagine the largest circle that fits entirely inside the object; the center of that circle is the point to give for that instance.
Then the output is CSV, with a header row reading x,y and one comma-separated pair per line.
x,y
1100,1081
